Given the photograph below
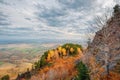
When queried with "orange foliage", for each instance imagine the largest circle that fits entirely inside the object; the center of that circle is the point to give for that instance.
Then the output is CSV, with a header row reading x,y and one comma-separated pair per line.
x,y
112,76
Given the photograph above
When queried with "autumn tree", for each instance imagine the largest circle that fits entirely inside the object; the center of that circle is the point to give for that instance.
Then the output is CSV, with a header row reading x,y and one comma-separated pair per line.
x,y
51,54
64,51
60,51
71,50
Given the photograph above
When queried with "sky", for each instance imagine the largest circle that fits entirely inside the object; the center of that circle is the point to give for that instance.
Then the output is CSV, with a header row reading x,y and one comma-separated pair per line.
x,y
50,19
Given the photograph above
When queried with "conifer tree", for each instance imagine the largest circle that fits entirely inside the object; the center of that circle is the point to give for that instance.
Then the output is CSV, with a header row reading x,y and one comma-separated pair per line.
x,y
82,72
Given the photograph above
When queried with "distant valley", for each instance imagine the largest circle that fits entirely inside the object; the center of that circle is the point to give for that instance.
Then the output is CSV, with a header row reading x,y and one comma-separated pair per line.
x,y
16,58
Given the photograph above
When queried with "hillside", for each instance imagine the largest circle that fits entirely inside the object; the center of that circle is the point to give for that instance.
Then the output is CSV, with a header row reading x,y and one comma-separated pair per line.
x,y
60,70
56,64
103,53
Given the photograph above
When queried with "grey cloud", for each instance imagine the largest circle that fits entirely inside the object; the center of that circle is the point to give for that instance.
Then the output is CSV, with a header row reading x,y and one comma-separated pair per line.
x,y
77,4
50,31
52,13
28,19
3,2
4,23
15,30
64,18
4,19
50,16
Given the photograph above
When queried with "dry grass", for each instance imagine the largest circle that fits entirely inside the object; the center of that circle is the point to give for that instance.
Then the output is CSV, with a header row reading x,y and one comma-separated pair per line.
x,y
62,69
112,76
12,70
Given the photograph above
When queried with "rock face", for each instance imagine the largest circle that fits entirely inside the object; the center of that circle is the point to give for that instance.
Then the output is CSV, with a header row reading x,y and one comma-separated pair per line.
x,y
103,52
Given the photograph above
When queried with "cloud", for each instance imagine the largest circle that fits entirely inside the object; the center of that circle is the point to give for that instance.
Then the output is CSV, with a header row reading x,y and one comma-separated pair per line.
x,y
4,19
57,19
76,4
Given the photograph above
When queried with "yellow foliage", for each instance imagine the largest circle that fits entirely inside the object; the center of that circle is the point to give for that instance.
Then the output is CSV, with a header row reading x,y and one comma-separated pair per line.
x,y
64,51
59,49
79,51
71,49
51,52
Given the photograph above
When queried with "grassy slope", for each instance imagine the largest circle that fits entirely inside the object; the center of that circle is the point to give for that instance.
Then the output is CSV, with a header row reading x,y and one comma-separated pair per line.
x,y
61,69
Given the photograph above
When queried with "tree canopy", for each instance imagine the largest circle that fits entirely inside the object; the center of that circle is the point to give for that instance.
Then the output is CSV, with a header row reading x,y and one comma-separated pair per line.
x,y
117,8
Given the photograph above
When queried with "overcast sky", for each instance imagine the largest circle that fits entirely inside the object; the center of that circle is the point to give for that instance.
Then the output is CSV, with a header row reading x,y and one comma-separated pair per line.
x,y
51,19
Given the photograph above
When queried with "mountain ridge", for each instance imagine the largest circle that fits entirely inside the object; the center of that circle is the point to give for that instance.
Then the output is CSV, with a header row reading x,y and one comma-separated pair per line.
x,y
103,52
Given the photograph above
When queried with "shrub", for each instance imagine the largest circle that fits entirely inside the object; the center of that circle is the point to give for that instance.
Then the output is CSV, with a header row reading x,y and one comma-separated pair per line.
x,y
66,49
82,72
42,62
70,46
6,77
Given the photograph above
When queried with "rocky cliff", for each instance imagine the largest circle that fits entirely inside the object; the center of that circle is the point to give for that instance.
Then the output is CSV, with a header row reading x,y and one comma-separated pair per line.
x,y
103,53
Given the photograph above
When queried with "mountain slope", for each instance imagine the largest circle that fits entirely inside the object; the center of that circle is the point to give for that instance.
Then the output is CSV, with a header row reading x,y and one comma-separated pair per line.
x,y
56,64
60,70
103,52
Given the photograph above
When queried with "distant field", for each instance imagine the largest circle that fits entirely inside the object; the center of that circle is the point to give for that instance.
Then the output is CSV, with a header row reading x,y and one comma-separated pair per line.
x,y
26,52
16,58
13,69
